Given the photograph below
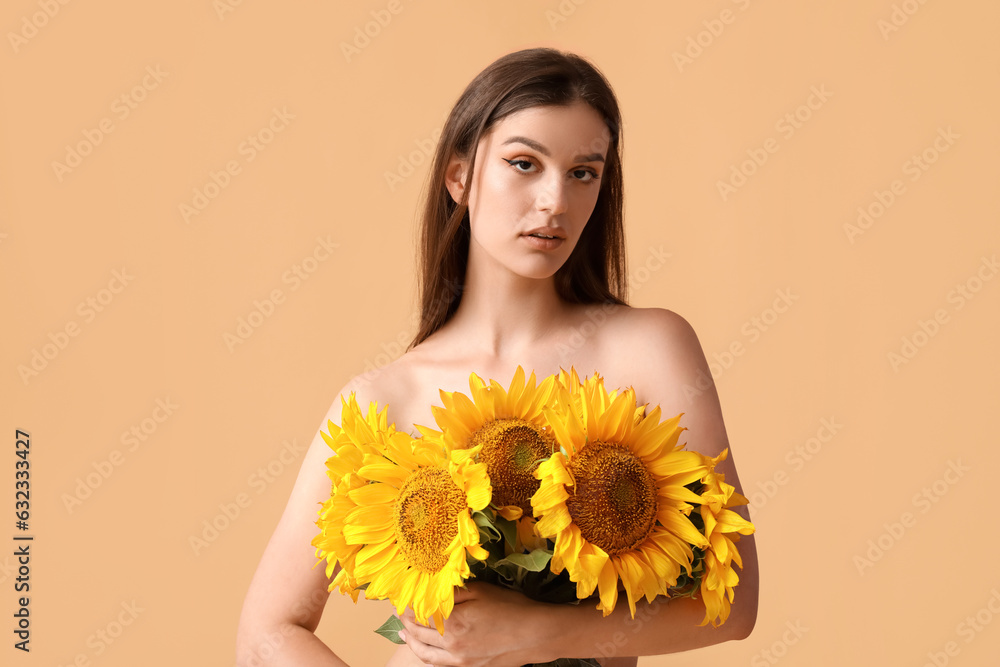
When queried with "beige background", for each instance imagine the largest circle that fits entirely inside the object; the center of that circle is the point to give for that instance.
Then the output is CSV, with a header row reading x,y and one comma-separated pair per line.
x,y
243,407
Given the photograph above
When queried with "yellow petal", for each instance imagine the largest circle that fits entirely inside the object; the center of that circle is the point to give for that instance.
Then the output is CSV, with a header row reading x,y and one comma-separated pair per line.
x,y
374,494
510,512
608,587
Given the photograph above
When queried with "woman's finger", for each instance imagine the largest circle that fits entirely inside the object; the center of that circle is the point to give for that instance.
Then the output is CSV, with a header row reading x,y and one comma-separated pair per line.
x,y
463,593
422,633
432,655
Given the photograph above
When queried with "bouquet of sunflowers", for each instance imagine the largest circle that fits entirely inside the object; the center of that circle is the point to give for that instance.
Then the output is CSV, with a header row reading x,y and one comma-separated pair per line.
x,y
559,489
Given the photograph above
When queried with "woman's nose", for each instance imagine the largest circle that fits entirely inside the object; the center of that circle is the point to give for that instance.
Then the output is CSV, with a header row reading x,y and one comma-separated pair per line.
x,y
552,196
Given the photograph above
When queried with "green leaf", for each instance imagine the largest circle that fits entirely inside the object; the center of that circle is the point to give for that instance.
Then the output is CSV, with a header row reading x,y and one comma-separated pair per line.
x,y
535,561
486,526
390,629
509,530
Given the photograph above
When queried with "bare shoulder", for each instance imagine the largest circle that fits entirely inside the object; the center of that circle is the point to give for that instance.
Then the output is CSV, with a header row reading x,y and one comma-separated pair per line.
x,y
406,387
658,323
652,336
386,385
657,352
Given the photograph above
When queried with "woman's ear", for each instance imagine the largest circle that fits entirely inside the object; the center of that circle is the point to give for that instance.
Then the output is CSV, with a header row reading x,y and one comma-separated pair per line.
x,y
454,178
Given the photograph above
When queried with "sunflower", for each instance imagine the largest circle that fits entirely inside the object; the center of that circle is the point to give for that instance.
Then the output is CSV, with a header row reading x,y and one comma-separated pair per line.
x,y
349,442
510,431
574,392
412,523
615,502
723,528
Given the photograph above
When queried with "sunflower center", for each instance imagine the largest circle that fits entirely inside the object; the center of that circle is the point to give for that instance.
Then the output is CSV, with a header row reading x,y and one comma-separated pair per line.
x,y
512,449
425,517
615,500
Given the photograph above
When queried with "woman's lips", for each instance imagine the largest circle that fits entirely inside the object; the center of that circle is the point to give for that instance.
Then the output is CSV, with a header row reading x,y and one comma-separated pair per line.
x,y
541,243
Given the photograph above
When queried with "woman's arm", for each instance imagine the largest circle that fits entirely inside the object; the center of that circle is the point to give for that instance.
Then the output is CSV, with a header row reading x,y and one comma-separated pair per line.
x,y
287,595
496,627
677,378
664,626
672,372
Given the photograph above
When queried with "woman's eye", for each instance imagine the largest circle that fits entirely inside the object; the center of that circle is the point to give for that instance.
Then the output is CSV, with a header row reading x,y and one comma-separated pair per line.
x,y
585,175
515,163
526,167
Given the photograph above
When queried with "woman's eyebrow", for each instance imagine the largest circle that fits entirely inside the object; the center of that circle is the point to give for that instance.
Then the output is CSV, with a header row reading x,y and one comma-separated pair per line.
x,y
531,143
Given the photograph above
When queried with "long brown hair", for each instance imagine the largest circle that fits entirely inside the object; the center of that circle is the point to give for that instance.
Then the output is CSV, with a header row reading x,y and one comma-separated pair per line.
x,y
595,271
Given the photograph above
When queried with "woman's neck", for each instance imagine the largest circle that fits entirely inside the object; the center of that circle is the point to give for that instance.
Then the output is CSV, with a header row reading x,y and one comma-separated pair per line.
x,y
504,315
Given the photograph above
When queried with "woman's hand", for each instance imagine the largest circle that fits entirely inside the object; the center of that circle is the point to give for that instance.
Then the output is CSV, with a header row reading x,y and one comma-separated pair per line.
x,y
490,626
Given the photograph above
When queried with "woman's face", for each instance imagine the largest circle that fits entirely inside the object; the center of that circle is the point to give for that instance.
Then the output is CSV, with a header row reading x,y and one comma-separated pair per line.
x,y
537,172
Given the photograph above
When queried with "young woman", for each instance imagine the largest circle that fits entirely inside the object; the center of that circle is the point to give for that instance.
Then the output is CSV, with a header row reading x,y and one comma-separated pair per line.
x,y
522,264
